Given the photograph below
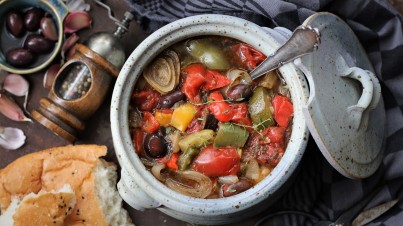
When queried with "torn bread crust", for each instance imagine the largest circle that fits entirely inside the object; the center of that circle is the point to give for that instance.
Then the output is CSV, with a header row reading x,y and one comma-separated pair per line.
x,y
75,165
44,208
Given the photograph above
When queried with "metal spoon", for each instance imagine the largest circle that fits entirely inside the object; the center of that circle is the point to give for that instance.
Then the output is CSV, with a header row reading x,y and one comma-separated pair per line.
x,y
303,40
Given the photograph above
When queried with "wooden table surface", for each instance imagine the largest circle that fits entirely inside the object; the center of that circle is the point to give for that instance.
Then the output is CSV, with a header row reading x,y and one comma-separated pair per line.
x,y
98,126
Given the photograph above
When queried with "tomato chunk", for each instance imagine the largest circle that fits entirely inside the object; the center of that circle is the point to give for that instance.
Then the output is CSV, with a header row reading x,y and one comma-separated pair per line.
x,y
194,80
215,80
220,109
283,110
247,55
217,162
137,138
150,124
275,134
146,100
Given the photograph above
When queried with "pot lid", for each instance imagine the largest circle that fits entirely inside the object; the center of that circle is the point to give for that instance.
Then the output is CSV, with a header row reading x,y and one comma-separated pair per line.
x,y
345,112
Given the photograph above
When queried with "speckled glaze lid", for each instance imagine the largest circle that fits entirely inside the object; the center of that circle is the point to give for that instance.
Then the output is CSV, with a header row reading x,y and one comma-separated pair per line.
x,y
345,112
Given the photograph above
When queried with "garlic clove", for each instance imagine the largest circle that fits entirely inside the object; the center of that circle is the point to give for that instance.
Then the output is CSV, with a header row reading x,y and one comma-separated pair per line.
x,y
76,20
75,5
50,75
48,28
11,138
16,85
10,109
69,43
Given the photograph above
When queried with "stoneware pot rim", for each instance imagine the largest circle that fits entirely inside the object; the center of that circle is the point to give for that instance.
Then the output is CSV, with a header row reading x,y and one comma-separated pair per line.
x,y
207,24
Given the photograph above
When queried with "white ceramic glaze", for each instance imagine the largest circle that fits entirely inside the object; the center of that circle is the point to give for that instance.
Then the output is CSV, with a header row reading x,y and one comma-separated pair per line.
x,y
345,111
140,189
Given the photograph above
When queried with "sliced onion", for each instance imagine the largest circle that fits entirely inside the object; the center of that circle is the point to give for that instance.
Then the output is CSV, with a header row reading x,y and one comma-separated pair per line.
x,y
252,170
174,138
228,179
269,80
156,171
163,73
238,76
190,183
147,162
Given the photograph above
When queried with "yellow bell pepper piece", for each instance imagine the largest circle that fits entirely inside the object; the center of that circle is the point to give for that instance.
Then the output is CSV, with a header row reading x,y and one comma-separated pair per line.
x,y
182,116
163,118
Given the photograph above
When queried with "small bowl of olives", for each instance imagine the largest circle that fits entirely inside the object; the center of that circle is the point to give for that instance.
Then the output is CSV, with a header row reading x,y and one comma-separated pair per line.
x,y
31,34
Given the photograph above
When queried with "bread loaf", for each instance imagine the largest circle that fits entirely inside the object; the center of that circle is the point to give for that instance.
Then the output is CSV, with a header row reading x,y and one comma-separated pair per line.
x,y
92,180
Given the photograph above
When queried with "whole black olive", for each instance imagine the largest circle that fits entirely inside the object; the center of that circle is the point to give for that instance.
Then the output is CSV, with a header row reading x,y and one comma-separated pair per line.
x,y
168,100
38,44
49,29
14,23
239,92
236,188
19,57
32,18
211,122
154,146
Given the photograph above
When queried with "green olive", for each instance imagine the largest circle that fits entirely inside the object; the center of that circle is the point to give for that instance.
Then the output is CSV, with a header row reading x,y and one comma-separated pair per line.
x,y
208,53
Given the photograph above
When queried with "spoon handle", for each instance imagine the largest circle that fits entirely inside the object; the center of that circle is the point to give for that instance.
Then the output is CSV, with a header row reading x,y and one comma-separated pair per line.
x,y
303,40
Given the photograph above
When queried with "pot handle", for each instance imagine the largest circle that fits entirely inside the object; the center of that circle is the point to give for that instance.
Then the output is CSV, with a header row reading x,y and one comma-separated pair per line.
x,y
371,91
133,195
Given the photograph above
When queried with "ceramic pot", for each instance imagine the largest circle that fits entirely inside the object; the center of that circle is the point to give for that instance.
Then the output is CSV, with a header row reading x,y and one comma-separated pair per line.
x,y
140,189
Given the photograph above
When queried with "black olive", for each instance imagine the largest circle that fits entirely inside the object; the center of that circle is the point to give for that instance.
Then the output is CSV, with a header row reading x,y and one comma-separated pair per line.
x,y
32,18
168,100
14,23
19,57
211,122
155,146
239,92
38,44
236,188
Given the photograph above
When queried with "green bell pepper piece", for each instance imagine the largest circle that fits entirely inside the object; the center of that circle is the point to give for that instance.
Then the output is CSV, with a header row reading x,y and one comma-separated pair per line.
x,y
231,135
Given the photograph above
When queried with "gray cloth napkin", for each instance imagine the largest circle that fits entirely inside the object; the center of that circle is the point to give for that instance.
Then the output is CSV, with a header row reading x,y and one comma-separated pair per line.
x,y
319,189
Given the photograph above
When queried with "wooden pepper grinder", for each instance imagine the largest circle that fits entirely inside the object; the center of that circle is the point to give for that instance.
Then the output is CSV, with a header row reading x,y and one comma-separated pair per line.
x,y
82,83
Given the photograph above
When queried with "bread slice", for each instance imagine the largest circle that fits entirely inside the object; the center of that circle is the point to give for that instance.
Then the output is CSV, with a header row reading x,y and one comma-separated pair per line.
x,y
92,179
44,208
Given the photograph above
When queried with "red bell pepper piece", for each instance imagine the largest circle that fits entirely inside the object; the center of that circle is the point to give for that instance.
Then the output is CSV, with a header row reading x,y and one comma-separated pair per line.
x,y
283,110
146,100
195,78
240,114
173,161
217,162
138,136
149,123
220,109
275,134
215,80
247,55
